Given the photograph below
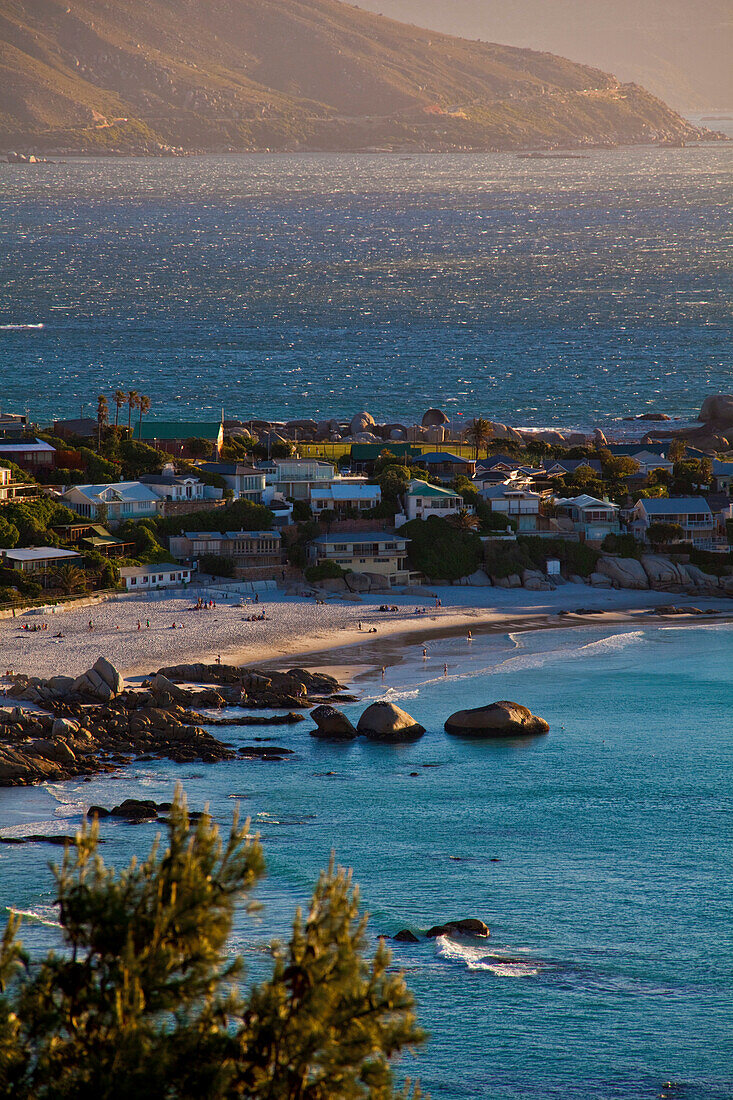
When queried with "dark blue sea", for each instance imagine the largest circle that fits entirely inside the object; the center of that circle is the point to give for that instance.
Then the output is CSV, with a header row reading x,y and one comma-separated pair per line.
x,y
548,292
600,856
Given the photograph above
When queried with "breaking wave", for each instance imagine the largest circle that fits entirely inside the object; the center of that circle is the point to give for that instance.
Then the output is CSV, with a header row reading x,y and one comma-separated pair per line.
x,y
479,957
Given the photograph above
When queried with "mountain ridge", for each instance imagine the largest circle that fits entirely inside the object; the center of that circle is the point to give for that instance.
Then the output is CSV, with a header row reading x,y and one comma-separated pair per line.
x,y
245,75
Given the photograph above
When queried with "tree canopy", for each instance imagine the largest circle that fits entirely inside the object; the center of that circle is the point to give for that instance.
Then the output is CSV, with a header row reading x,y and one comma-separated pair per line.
x,y
145,1002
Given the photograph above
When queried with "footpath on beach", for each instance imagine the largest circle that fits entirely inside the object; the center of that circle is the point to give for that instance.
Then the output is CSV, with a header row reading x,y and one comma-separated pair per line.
x,y
140,635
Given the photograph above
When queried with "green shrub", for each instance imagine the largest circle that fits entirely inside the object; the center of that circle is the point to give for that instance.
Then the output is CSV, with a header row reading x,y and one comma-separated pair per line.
x,y
626,546
219,565
440,550
324,570
577,557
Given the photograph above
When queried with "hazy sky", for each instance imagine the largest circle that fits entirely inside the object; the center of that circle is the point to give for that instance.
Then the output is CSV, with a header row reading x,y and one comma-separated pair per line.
x,y
682,50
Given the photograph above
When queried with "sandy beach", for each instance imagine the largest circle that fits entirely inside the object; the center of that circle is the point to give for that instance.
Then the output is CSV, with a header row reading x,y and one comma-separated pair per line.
x,y
298,626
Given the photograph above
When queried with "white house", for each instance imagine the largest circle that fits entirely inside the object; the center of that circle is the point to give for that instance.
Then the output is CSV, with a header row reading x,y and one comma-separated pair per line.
x,y
246,482
693,515
180,488
364,552
113,503
38,559
421,500
296,477
592,519
516,501
649,460
345,494
160,575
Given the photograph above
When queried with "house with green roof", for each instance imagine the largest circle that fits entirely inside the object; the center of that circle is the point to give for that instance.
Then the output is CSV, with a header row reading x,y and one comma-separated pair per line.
x,y
421,501
175,436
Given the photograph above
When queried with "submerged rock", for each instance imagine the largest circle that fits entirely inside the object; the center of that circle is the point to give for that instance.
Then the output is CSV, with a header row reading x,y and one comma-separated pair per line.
x,y
386,722
406,936
501,719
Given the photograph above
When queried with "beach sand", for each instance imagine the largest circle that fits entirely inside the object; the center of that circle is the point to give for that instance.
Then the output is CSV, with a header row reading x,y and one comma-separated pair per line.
x,y
296,626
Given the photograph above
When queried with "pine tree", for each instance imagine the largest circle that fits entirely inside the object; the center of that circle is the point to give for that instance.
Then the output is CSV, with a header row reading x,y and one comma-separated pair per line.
x,y
146,1003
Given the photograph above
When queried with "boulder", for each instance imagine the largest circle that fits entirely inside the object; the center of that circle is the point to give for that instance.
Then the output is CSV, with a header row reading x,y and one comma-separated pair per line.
x,y
599,438
386,722
717,410
135,809
435,418
469,926
357,582
361,422
600,580
662,572
109,675
625,572
332,724
501,719
64,727
332,584
406,936
479,579
58,751
512,581
377,582
700,579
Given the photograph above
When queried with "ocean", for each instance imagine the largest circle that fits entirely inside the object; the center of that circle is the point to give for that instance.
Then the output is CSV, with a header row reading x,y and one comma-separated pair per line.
x,y
539,292
599,855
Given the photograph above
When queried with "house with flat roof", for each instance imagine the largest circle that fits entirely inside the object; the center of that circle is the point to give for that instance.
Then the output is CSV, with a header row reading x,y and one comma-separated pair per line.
x,y
421,500
40,561
174,436
364,552
518,502
30,454
296,477
343,495
246,482
14,490
114,502
692,514
138,578
592,519
251,551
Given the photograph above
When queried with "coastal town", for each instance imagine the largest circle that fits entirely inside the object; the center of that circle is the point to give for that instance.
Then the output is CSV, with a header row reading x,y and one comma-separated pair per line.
x,y
130,503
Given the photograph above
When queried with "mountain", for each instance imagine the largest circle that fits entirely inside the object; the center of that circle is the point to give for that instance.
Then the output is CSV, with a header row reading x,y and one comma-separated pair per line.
x,y
680,50
146,75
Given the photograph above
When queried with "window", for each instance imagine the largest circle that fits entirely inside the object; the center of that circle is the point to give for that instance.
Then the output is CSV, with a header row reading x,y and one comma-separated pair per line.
x,y
133,580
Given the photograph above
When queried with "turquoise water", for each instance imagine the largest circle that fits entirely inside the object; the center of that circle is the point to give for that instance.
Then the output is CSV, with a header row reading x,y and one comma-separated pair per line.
x,y
609,971
536,292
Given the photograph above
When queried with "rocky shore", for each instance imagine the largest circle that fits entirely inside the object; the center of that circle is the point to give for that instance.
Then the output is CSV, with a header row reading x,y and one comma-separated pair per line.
x,y
95,723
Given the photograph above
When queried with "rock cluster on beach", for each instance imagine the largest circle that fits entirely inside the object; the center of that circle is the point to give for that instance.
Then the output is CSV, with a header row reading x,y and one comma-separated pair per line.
x,y
95,722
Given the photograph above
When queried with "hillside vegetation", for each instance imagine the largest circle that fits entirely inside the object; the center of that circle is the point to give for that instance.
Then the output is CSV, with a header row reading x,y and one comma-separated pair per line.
x,y
291,74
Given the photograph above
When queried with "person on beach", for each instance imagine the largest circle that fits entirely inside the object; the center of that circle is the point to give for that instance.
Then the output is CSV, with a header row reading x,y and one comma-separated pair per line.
x,y
424,653
445,670
218,658
469,637
383,671
139,624
147,623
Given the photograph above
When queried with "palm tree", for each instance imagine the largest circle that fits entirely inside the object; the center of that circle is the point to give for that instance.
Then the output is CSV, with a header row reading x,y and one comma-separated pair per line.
x,y
479,433
102,417
143,404
464,520
120,399
132,400
69,578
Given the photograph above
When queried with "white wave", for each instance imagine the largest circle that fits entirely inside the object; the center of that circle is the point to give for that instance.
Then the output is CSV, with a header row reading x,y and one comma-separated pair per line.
x,y
614,643
9,328
41,914
479,957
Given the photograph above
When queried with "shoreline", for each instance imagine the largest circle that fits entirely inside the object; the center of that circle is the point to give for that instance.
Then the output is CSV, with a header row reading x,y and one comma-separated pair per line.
x,y
297,630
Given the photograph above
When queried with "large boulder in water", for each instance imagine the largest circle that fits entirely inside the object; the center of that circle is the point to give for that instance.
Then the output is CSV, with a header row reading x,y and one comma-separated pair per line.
x,y
386,722
332,724
502,719
467,926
